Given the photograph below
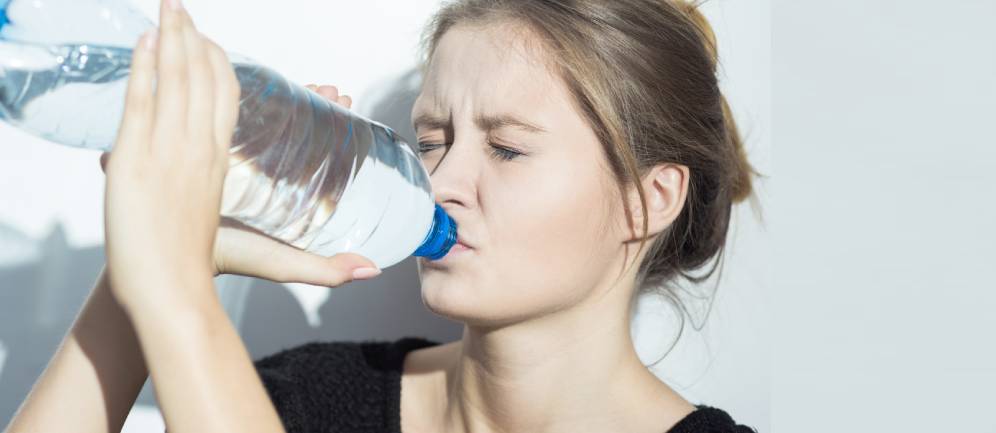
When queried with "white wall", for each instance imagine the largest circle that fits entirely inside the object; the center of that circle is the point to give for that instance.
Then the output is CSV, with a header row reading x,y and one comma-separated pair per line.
x,y
886,165
51,217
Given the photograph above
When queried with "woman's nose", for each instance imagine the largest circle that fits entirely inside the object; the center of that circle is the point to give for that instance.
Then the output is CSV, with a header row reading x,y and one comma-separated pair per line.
x,y
454,175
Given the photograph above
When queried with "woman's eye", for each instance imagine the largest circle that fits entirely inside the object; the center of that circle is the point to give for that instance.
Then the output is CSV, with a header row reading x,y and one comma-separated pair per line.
x,y
425,147
497,152
503,153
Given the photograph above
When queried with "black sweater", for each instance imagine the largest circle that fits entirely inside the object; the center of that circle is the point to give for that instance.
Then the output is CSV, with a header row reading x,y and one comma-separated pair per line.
x,y
355,387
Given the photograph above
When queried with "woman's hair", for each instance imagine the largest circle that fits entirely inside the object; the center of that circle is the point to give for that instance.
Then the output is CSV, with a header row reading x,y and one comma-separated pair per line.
x,y
643,74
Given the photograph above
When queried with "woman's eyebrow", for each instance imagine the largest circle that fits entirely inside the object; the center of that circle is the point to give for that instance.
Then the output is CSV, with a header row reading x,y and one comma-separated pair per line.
x,y
430,121
492,122
486,122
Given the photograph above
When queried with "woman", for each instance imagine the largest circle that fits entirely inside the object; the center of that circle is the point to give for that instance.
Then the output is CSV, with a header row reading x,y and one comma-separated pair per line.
x,y
586,153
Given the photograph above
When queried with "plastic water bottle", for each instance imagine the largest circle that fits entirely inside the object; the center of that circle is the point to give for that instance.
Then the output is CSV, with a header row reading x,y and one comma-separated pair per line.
x,y
302,169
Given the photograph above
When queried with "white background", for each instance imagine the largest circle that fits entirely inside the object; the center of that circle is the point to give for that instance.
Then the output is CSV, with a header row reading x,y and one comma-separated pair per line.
x,y
368,50
884,114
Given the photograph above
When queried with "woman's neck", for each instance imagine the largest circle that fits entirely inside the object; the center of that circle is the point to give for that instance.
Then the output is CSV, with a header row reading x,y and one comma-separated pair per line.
x,y
563,372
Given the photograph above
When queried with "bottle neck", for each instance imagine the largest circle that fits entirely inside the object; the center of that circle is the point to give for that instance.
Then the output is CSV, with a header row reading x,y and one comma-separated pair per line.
x,y
441,237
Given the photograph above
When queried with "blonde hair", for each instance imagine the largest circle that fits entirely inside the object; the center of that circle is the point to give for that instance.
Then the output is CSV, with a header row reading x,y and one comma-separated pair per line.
x,y
643,74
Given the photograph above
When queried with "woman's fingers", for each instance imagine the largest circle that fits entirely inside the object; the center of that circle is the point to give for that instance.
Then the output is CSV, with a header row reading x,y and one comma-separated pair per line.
x,y
331,93
171,93
200,88
244,251
227,95
140,110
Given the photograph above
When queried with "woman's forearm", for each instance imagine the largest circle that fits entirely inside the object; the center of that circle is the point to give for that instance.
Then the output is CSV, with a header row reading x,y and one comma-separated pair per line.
x,y
91,382
203,375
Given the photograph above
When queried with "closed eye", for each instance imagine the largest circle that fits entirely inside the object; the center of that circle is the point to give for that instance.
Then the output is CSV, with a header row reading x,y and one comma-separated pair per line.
x,y
498,152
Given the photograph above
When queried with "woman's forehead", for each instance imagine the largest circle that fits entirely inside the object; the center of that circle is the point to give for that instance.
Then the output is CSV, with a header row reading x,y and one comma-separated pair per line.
x,y
469,68
526,107
488,56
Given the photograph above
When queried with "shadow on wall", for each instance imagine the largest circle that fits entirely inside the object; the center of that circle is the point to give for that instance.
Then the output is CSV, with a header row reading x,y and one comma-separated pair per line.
x,y
43,284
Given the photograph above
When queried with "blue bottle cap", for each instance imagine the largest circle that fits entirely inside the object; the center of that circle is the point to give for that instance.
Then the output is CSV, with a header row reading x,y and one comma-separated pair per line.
x,y
441,237
3,13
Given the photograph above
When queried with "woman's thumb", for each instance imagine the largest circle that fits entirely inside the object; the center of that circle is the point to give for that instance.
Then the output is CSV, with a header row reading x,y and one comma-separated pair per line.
x,y
243,250
299,266
359,267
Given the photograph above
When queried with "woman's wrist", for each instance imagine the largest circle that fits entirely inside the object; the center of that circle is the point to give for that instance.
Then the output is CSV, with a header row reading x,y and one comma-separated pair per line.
x,y
163,298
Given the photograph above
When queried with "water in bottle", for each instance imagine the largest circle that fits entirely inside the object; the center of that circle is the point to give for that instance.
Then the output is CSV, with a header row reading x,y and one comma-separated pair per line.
x,y
302,169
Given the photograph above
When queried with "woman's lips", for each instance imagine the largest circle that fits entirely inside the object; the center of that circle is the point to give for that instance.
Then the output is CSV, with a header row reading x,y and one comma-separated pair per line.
x,y
457,250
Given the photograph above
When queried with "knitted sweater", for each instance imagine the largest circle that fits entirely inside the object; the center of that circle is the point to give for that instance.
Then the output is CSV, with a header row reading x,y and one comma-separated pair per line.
x,y
355,387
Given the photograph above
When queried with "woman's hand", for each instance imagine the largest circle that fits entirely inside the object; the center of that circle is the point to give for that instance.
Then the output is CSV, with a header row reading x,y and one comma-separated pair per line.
x,y
332,93
242,250
168,163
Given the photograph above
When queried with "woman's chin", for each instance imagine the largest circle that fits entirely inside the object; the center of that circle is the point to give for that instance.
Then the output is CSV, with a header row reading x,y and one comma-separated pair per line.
x,y
448,297
468,303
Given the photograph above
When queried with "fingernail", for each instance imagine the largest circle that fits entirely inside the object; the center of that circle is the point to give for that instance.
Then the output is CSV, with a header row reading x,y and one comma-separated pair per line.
x,y
175,4
364,273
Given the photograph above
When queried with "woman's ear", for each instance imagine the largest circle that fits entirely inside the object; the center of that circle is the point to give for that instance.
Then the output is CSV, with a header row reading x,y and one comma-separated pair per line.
x,y
665,187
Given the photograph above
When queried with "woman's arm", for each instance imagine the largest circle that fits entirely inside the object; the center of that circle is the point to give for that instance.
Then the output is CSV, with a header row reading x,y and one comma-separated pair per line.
x,y
94,377
162,205
204,377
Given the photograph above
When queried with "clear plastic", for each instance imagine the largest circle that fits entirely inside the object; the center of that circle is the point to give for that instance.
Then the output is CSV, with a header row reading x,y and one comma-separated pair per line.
x,y
303,169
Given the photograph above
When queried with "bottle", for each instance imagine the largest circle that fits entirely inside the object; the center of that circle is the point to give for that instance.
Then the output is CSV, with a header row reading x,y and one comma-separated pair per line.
x,y
302,169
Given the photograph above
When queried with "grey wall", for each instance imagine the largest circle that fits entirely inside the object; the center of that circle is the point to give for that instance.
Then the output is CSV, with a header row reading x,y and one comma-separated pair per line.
x,y
883,114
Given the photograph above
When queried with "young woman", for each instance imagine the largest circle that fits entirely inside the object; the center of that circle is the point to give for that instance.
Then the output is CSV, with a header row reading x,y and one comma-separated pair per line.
x,y
582,146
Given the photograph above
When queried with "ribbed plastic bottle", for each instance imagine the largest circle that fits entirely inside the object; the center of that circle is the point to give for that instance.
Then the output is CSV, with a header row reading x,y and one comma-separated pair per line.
x,y
303,169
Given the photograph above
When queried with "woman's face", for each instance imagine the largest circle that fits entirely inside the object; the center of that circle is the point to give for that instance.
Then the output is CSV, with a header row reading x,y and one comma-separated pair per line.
x,y
536,204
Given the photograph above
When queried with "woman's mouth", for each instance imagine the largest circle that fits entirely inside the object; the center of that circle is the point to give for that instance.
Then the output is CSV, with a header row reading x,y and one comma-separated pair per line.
x,y
457,251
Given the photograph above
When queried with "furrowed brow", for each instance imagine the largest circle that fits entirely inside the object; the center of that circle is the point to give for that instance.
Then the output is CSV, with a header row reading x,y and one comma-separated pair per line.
x,y
430,121
492,122
484,122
